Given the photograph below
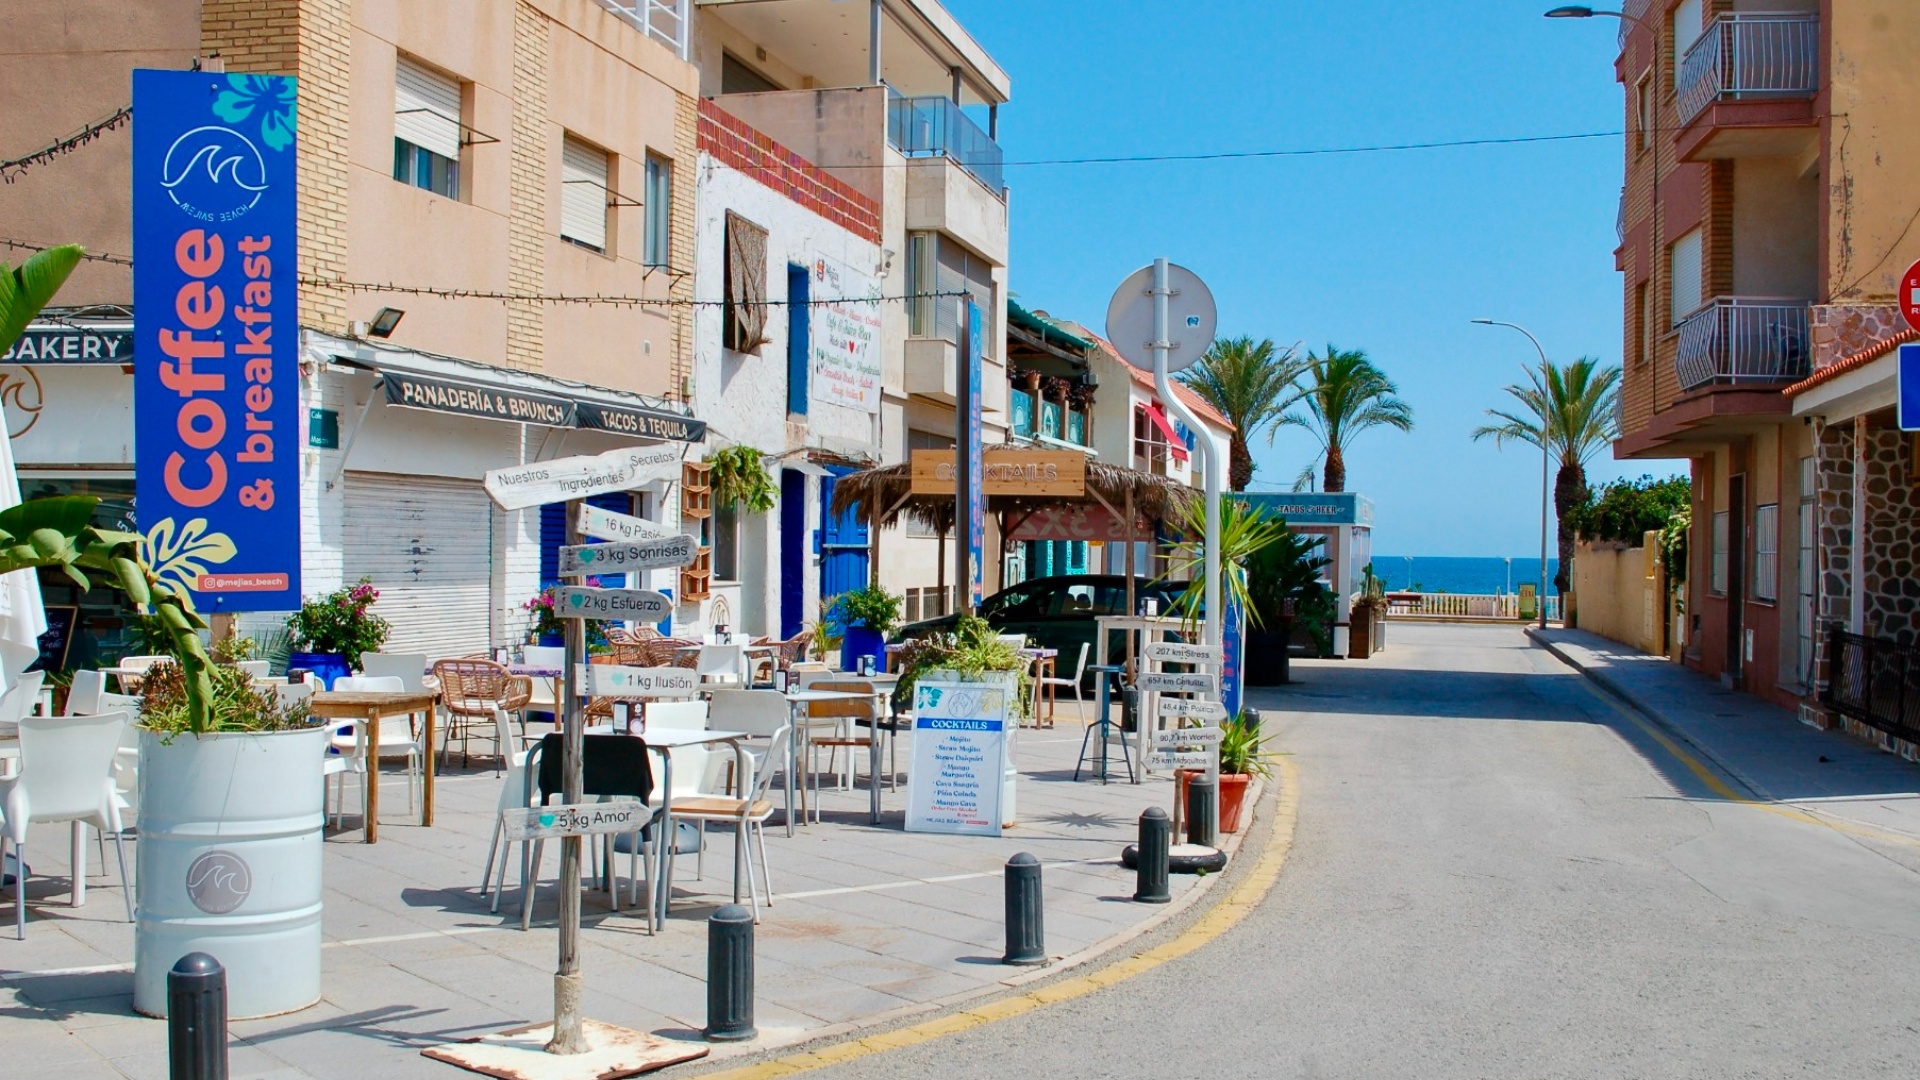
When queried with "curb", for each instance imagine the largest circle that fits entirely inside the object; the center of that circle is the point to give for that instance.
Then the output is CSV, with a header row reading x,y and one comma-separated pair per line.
x,y
1619,692
971,1009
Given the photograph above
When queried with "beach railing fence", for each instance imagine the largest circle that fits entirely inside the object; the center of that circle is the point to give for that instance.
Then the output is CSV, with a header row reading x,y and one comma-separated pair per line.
x,y
1492,606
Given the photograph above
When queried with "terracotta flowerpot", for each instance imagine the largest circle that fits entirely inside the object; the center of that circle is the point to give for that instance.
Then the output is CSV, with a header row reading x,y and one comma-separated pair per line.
x,y
1233,797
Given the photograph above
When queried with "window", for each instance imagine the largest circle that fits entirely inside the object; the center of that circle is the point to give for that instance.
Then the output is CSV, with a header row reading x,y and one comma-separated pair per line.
x,y
1766,552
426,129
799,338
1717,573
583,194
659,210
927,603
737,78
919,284
957,271
744,319
726,543
1648,111
1683,261
1643,321
1687,25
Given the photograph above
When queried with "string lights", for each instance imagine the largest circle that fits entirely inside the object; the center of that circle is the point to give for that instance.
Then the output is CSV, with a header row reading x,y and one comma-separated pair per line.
x,y
9,170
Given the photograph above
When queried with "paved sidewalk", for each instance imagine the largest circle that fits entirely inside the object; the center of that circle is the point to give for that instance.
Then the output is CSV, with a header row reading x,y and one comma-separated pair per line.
x,y
870,923
1762,746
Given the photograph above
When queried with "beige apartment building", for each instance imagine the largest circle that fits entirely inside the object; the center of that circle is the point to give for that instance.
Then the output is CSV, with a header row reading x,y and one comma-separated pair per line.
x,y
1763,229
504,195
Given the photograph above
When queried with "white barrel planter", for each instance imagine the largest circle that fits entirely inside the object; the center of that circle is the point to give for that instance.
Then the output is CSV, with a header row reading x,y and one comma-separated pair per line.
x,y
229,865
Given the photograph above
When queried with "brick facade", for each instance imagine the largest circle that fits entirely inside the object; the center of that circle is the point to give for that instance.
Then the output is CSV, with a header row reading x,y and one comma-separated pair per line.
x,y
737,145
686,152
527,224
311,39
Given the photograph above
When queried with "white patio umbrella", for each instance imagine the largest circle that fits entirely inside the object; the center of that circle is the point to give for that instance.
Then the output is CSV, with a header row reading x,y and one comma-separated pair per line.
x,y
23,618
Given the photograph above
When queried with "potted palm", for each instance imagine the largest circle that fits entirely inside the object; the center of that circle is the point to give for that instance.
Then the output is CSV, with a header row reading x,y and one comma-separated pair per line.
x,y
330,632
866,616
1368,613
1241,759
1283,579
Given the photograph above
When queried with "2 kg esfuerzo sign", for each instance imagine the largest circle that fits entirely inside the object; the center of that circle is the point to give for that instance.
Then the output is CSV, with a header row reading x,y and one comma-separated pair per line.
x,y
637,605
1184,682
1179,652
620,558
581,819
616,680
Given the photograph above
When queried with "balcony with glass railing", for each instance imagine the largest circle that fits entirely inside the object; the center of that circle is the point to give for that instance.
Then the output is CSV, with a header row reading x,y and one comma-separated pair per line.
x,y
1743,342
933,126
665,21
1750,56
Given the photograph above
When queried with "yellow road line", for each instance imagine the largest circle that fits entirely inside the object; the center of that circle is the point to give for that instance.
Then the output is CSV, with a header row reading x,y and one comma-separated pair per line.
x,y
1723,790
1217,921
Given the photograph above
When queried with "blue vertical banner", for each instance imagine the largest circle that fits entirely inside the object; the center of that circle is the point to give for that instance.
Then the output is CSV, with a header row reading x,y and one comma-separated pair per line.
x,y
1232,637
976,457
217,332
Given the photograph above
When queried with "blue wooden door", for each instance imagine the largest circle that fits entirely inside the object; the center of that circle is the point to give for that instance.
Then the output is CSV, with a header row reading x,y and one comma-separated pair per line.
x,y
843,543
793,551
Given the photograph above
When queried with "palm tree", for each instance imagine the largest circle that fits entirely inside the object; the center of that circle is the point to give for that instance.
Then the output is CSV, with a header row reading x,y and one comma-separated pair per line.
x,y
25,289
1249,383
1575,403
1345,395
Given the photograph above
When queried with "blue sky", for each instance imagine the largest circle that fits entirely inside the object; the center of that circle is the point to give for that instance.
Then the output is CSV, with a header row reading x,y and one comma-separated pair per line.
x,y
1390,252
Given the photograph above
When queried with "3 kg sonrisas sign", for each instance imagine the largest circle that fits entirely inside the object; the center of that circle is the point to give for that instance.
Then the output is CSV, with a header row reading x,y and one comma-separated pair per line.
x,y
217,422
444,395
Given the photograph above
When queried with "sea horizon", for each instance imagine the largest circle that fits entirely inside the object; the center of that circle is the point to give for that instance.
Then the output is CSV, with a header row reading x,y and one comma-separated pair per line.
x,y
1477,575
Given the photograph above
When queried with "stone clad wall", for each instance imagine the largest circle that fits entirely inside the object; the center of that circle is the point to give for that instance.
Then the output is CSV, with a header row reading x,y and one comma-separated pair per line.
x,y
1891,541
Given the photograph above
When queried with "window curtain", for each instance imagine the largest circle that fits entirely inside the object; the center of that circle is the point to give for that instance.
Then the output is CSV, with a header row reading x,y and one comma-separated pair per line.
x,y
745,323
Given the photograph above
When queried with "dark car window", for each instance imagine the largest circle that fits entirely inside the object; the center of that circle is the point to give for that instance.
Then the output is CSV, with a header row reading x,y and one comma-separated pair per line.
x,y
1089,600
1016,603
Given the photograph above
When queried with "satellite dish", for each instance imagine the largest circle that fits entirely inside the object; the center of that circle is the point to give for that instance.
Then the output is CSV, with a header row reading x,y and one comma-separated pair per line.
x,y
1190,318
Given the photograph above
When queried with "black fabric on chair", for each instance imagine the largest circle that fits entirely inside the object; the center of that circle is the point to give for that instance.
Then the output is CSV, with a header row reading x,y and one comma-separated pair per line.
x,y
615,765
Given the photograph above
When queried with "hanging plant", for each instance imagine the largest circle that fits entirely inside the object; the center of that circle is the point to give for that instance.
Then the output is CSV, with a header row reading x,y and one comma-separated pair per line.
x,y
1081,392
740,478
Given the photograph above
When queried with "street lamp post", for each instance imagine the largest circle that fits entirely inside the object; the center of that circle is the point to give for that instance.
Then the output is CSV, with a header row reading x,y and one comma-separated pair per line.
x,y
1544,444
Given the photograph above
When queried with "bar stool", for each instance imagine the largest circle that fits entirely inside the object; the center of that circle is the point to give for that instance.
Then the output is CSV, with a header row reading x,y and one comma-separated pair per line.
x,y
1108,677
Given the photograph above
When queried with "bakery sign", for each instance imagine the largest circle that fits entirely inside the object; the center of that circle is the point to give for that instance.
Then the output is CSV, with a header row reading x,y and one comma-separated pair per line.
x,y
1011,471
71,345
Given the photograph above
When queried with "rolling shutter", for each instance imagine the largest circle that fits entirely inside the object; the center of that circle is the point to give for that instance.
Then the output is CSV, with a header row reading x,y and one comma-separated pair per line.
x,y
428,546
583,194
426,109
1684,278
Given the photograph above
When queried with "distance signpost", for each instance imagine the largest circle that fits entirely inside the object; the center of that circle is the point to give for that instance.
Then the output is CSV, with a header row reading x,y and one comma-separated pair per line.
x,y
637,605
627,556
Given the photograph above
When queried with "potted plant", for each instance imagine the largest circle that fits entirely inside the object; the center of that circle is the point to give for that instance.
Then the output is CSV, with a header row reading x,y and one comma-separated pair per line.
x,y
866,616
1368,612
1283,581
1241,759
231,803
740,478
330,632
547,627
971,653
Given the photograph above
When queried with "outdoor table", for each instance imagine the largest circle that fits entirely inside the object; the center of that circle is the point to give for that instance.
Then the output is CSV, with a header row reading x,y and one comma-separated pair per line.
x,y
553,674
1042,660
797,701
369,706
664,742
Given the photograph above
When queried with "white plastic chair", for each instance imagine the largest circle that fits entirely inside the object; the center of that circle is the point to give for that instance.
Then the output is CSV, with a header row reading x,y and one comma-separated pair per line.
x,y
810,672
64,775
1080,670
130,684
21,698
514,792
255,669
409,668
349,742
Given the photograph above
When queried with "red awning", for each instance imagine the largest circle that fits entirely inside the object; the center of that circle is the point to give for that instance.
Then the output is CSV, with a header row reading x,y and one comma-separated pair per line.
x,y
1159,417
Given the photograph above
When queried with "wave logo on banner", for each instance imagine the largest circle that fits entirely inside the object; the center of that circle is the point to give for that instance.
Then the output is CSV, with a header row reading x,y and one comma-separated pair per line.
x,y
216,326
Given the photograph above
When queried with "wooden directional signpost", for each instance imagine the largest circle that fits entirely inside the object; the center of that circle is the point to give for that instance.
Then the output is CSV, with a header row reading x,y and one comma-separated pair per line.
x,y
1209,713
627,556
1180,682
616,680
1179,652
1186,748
639,605
639,545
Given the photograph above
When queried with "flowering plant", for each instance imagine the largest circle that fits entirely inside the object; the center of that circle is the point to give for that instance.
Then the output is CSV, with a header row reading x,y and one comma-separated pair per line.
x,y
543,609
340,623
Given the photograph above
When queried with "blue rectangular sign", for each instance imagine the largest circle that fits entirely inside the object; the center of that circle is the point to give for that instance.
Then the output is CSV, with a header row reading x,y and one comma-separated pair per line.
x,y
976,457
1909,387
217,337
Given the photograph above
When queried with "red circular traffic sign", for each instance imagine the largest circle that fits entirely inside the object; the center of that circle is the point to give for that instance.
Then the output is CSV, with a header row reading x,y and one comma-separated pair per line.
x,y
1910,296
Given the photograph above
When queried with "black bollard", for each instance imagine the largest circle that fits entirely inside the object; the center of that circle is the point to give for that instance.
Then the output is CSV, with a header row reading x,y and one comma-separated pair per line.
x,y
1026,930
197,1019
1150,872
1203,823
730,975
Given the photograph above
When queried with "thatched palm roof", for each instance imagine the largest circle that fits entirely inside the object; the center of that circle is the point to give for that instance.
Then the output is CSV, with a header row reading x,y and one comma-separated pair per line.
x,y
885,492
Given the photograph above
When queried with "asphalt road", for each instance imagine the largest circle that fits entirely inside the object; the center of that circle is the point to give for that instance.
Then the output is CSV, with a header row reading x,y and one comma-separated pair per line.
x,y
1497,873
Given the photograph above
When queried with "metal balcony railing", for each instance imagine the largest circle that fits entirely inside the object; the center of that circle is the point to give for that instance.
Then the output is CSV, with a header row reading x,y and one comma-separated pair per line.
x,y
1748,56
665,21
934,126
1636,12
1620,218
1738,340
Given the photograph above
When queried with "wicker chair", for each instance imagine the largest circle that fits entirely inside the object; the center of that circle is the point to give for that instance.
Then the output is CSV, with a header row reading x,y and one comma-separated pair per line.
x,y
474,691
664,652
789,652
